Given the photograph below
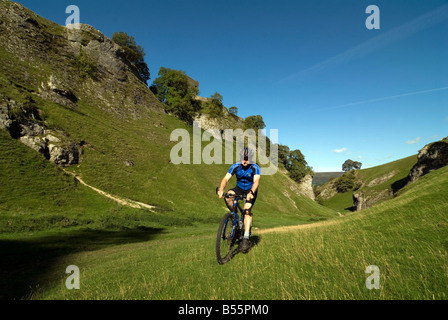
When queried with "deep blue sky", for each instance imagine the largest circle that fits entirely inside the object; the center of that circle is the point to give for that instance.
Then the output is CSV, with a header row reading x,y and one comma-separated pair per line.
x,y
334,89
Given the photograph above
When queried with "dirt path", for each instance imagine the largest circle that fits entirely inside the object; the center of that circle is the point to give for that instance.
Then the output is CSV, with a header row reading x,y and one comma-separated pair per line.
x,y
298,227
140,205
120,200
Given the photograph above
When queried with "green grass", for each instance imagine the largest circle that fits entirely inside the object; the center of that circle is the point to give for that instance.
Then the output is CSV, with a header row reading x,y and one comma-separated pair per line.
x,y
36,195
388,177
407,238
399,168
49,221
113,132
341,202
110,140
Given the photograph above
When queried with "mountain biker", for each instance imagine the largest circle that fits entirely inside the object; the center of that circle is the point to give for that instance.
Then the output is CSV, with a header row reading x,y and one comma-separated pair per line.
x,y
248,179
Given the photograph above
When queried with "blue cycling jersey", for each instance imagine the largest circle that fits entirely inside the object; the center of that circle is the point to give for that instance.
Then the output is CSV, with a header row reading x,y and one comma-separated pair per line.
x,y
244,175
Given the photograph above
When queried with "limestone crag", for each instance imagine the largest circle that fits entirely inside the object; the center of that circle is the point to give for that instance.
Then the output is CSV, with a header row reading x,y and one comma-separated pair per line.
x,y
68,64
28,128
362,200
432,157
305,187
64,66
227,121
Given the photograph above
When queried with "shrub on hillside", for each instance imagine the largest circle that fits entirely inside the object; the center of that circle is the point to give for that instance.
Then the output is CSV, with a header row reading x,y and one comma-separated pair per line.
x,y
215,105
134,53
345,182
173,89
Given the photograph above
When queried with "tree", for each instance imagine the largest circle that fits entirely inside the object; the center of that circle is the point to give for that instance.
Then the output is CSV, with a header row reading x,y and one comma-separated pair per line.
x,y
345,182
351,165
233,111
216,98
283,152
173,89
216,105
294,162
133,53
254,122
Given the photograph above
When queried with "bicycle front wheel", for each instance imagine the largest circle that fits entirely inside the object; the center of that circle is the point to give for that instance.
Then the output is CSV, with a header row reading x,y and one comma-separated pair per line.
x,y
225,240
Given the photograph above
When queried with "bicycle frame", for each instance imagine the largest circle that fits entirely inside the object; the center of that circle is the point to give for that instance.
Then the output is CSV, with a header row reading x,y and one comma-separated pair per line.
x,y
236,206
230,233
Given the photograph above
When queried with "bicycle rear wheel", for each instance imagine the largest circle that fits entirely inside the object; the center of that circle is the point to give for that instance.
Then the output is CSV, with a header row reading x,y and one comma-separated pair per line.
x,y
224,239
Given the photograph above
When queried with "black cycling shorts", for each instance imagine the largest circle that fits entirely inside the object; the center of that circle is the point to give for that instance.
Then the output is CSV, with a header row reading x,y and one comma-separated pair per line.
x,y
239,191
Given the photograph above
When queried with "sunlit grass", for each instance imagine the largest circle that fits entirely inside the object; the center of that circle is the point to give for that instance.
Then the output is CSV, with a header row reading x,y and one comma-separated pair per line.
x,y
406,238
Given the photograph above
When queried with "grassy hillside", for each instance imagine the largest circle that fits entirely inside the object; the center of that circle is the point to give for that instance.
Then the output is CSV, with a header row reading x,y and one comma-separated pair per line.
x,y
384,178
117,120
36,195
185,192
48,220
406,238
45,214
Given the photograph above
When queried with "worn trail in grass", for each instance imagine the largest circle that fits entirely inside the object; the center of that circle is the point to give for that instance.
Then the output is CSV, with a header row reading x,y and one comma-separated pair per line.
x,y
405,237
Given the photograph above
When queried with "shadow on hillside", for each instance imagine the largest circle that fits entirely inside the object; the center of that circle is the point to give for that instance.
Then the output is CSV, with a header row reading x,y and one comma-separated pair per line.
x,y
398,185
26,264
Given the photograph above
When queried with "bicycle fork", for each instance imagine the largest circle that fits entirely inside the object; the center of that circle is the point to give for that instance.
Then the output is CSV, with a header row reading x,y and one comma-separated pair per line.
x,y
237,221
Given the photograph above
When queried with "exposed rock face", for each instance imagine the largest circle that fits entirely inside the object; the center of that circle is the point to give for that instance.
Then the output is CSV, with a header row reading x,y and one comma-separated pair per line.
x,y
362,201
58,92
306,187
5,121
327,190
382,179
63,156
432,157
64,66
68,64
28,128
193,83
227,121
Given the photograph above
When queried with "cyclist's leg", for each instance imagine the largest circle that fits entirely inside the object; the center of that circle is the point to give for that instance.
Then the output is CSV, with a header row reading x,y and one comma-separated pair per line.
x,y
237,191
248,218
229,201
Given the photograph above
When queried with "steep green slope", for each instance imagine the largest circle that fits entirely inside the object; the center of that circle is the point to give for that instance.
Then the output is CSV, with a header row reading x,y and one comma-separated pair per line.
x,y
406,238
36,195
90,96
378,183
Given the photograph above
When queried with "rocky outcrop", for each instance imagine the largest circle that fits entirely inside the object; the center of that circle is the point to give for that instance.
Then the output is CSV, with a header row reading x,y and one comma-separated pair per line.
x,y
382,178
227,121
432,157
362,200
193,83
58,92
23,123
66,65
327,190
305,187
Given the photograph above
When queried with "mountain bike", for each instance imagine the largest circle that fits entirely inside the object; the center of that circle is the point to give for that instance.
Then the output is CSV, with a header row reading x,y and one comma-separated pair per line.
x,y
230,231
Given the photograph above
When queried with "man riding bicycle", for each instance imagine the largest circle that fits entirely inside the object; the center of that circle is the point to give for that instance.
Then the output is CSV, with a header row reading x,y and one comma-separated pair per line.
x,y
248,179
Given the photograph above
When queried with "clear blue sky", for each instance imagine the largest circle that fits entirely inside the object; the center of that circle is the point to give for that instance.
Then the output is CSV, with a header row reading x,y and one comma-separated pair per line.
x,y
334,89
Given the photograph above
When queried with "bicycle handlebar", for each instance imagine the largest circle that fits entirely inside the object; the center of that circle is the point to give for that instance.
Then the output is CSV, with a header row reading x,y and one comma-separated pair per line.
x,y
238,197
230,195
